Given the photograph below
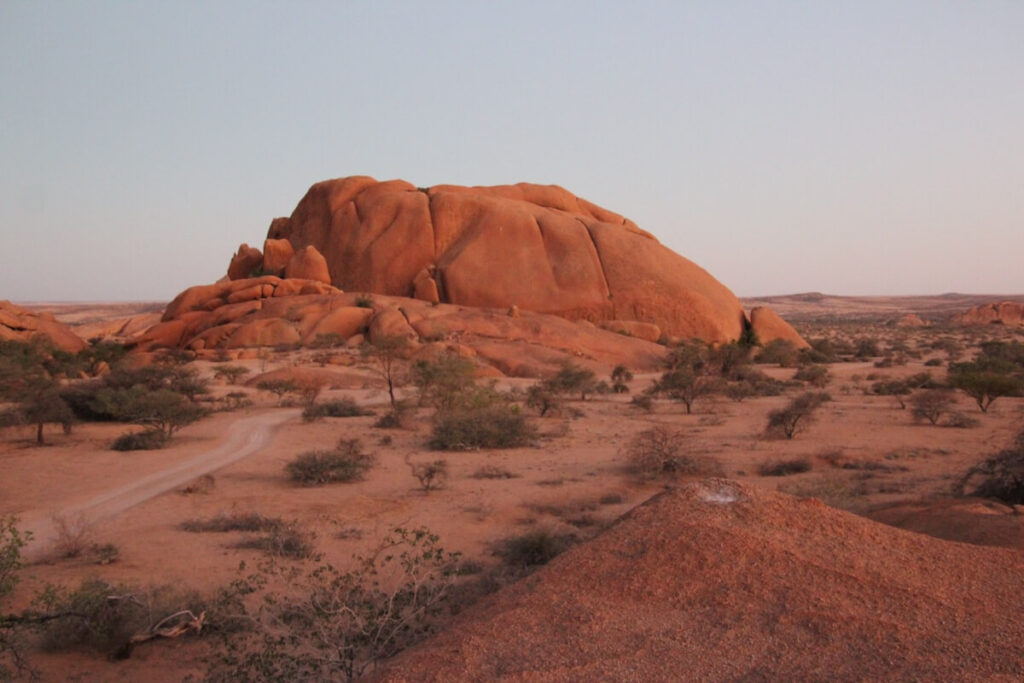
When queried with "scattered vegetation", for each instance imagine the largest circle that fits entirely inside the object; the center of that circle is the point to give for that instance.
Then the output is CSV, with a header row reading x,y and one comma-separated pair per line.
x,y
345,463
796,415
336,625
235,521
431,475
287,540
148,440
660,452
493,472
1000,476
931,404
533,549
815,375
342,407
784,467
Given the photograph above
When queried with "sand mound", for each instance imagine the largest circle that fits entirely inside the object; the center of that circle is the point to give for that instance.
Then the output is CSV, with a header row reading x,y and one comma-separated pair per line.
x,y
718,581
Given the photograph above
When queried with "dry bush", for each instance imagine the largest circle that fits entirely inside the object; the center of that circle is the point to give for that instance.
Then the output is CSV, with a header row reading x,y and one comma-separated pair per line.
x,y
1000,477
494,472
796,415
431,475
235,521
784,467
643,401
660,452
345,463
148,440
931,404
960,420
342,407
816,375
533,549
287,540
495,426
73,536
203,484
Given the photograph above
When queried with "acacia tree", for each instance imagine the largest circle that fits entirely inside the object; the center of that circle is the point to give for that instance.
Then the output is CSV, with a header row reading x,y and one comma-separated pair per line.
x,y
386,354
690,375
25,381
986,379
796,415
161,410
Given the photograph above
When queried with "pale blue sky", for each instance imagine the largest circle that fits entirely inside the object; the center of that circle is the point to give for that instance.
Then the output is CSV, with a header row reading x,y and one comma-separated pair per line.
x,y
849,147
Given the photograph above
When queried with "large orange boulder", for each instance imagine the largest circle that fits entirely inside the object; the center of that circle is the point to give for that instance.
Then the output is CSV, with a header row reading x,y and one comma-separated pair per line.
x,y
276,255
768,326
21,324
244,262
536,247
308,264
1003,313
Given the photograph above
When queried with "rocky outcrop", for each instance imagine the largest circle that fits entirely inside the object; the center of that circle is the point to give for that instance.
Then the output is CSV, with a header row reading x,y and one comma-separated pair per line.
x,y
768,326
1004,313
269,311
717,581
537,247
308,264
276,255
910,320
246,260
21,324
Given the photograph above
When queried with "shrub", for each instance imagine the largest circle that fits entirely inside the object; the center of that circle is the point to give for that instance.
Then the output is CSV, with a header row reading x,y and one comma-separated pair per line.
x,y
816,375
620,376
396,418
496,426
783,468
836,490
493,472
572,379
149,440
660,452
345,463
236,521
1000,476
933,362
231,373
431,475
643,401
336,625
959,420
110,619
73,536
533,549
364,301
778,351
543,400
931,404
796,415
443,383
279,388
284,540
343,407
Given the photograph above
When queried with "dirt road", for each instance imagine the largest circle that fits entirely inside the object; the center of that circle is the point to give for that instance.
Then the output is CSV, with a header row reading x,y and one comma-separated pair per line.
x,y
243,438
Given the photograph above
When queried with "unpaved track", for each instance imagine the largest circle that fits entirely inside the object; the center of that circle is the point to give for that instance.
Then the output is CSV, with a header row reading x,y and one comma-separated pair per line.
x,y
244,437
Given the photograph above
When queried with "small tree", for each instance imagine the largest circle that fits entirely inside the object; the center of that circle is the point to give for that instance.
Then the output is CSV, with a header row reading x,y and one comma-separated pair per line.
x,y
279,387
815,375
572,379
686,385
661,452
1000,477
931,404
796,415
161,410
442,382
986,379
231,373
386,355
620,376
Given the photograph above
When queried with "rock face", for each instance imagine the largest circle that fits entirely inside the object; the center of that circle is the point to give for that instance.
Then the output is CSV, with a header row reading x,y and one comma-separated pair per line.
x,y
21,324
270,311
1004,313
308,264
246,260
716,581
536,247
768,326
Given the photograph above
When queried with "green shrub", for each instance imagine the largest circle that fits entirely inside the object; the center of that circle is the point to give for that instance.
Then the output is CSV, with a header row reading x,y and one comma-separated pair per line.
x,y
778,351
497,426
343,407
237,521
816,375
151,439
783,468
284,540
345,463
533,549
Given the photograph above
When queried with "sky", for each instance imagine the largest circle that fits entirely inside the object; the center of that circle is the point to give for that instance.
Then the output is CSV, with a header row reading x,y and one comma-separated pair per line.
x,y
857,148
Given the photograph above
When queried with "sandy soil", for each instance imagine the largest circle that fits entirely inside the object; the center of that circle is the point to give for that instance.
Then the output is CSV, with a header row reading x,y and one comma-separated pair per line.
x,y
558,484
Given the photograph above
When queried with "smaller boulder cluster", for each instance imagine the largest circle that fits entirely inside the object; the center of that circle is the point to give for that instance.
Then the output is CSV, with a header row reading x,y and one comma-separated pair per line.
x,y
280,259
20,324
